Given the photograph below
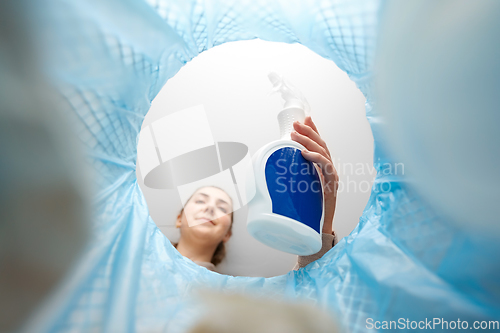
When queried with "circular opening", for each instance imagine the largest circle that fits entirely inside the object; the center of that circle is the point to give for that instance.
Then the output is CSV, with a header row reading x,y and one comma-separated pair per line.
x,y
231,83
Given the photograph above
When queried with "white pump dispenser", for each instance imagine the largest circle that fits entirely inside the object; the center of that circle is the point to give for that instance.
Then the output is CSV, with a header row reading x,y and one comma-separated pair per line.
x,y
295,108
281,217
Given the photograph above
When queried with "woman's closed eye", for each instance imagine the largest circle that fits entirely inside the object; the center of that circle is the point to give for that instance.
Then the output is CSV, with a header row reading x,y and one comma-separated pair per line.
x,y
223,209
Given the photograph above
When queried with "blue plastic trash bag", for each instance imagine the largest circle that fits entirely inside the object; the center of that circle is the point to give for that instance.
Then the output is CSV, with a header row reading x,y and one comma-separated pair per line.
x,y
109,59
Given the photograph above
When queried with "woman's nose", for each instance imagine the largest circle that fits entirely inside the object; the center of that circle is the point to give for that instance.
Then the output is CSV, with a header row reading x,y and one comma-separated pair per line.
x,y
209,208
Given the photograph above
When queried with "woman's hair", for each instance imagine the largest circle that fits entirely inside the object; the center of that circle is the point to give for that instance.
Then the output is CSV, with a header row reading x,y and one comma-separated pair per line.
x,y
220,251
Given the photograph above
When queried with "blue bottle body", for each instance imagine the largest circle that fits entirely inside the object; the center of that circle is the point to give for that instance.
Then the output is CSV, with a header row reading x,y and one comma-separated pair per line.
x,y
287,210
294,186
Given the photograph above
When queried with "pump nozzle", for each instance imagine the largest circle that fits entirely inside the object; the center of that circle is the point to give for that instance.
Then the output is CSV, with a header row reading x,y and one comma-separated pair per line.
x,y
295,108
292,96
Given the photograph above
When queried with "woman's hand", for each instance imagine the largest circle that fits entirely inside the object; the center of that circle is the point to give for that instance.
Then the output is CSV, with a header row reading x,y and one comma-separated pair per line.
x,y
316,151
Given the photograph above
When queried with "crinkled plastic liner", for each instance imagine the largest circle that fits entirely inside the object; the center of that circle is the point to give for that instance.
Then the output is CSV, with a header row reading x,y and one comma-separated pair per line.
x,y
111,58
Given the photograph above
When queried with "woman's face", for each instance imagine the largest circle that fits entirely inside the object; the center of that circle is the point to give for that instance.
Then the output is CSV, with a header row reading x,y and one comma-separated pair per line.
x,y
207,216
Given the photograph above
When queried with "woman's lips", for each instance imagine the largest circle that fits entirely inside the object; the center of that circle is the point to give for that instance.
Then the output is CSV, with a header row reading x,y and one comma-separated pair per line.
x,y
206,220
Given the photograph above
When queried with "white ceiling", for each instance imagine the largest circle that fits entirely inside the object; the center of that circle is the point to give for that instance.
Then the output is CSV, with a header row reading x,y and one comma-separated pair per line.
x,y
231,82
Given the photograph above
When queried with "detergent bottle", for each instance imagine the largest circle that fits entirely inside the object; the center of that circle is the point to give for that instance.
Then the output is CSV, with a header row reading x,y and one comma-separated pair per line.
x,y
287,210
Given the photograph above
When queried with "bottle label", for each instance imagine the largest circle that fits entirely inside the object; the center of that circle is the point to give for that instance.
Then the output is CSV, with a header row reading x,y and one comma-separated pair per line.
x,y
294,186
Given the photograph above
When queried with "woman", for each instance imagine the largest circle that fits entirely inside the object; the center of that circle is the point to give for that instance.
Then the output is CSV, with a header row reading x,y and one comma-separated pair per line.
x,y
205,224
209,210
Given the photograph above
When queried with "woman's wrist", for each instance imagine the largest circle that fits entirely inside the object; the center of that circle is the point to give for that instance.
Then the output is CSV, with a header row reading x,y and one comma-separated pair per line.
x,y
327,230
327,226
330,203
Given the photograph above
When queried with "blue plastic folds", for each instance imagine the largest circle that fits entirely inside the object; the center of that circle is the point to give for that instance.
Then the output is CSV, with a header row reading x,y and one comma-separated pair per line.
x,y
110,59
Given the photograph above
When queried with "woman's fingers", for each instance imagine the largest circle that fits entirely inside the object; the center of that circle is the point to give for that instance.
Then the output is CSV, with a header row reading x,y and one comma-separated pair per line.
x,y
316,151
308,143
310,133
326,165
327,169
309,122
309,129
